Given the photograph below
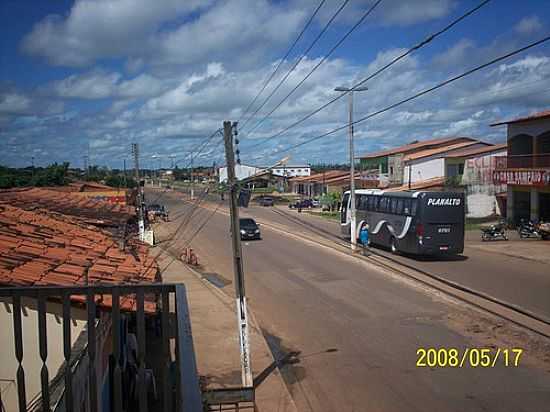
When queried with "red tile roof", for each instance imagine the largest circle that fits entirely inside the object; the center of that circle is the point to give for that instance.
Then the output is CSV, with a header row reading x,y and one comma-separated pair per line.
x,y
415,146
438,150
468,152
434,183
85,209
535,116
319,177
40,248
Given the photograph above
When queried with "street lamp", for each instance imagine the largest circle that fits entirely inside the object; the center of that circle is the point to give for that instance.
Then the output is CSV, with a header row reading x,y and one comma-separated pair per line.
x,y
353,220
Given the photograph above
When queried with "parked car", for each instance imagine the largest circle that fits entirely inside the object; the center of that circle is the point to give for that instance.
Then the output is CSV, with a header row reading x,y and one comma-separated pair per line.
x,y
156,211
315,203
249,229
303,204
266,201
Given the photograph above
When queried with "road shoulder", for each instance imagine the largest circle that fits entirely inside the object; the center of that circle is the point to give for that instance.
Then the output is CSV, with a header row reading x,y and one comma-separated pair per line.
x,y
216,341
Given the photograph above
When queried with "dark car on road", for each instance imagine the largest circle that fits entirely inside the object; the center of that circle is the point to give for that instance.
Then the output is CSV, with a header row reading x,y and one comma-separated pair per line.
x,y
302,204
266,201
249,229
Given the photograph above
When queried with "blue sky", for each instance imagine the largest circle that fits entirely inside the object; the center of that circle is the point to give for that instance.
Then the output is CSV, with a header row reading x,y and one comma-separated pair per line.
x,y
93,76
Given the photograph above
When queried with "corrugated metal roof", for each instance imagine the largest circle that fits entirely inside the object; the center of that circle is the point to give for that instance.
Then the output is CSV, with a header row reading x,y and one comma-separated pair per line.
x,y
411,147
535,116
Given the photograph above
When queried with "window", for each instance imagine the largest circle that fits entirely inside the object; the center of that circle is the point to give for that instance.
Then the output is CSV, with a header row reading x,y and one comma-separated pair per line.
x,y
407,206
393,205
399,210
383,206
413,207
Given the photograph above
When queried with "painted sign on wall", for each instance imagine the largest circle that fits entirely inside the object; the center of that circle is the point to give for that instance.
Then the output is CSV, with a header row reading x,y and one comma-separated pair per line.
x,y
522,177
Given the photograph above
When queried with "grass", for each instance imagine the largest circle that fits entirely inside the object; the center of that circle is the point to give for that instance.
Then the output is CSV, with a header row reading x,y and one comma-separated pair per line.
x,y
326,215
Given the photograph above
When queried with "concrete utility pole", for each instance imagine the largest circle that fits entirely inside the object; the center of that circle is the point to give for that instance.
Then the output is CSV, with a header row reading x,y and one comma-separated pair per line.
x,y
353,220
139,198
242,315
192,180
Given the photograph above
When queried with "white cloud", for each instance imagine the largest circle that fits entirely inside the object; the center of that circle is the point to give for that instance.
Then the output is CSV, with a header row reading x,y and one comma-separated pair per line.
x,y
528,25
456,54
14,103
95,29
98,84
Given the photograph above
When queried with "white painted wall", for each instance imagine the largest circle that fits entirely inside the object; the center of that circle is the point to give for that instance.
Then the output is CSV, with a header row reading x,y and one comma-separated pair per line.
x,y
292,171
31,349
424,170
241,172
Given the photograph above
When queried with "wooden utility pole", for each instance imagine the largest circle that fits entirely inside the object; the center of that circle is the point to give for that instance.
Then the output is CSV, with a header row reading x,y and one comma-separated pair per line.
x,y
242,315
139,195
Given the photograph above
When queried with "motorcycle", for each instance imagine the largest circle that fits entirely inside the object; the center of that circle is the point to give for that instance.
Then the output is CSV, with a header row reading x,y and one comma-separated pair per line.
x,y
544,230
527,229
494,232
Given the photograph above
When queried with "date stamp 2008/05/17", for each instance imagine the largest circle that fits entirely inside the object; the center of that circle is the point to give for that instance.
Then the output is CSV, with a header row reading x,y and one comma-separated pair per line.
x,y
468,357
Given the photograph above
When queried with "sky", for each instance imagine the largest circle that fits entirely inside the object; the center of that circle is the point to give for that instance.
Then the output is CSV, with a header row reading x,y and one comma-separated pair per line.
x,y
91,77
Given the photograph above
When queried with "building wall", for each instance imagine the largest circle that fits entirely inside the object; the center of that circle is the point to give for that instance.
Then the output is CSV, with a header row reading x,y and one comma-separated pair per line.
x,y
423,170
526,201
395,169
292,171
241,172
532,128
32,363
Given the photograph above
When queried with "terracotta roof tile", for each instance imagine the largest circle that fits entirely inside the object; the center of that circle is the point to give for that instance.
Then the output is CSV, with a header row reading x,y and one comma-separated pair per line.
x,y
38,248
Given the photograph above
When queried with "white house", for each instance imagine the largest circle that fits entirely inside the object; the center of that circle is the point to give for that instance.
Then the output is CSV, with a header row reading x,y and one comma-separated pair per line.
x,y
471,164
292,171
432,163
241,172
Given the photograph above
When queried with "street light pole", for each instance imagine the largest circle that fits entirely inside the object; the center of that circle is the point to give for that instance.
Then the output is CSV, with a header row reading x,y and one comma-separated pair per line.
x,y
353,219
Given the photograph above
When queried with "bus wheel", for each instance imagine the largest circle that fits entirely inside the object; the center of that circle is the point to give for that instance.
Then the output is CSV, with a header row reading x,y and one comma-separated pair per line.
x,y
393,246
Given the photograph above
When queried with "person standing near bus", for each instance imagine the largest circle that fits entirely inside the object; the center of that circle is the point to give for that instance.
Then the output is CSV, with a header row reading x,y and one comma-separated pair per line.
x,y
364,238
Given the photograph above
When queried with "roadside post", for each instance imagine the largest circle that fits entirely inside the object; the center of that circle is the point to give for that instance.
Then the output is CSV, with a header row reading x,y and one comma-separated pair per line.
x,y
353,220
139,195
242,314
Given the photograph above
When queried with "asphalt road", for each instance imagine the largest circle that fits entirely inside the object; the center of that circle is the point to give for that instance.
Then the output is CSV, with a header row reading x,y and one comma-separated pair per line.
x,y
521,282
312,299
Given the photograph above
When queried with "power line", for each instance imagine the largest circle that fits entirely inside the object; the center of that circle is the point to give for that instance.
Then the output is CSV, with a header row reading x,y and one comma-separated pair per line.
x,y
283,59
357,24
297,61
421,44
417,95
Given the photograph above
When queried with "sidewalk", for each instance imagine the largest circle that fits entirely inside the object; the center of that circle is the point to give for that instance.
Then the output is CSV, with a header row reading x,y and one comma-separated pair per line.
x,y
214,327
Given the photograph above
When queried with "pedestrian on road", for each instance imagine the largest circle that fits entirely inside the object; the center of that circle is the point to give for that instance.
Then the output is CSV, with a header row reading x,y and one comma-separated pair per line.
x,y
364,238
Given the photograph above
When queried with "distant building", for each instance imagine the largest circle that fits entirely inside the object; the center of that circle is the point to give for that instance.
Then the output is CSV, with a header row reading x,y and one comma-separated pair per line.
x,y
241,172
437,162
386,166
292,171
526,169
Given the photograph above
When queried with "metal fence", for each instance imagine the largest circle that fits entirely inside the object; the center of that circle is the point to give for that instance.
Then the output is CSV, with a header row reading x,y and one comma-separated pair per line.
x,y
180,389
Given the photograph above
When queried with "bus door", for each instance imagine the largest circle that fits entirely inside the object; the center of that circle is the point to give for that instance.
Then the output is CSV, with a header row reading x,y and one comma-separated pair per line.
x,y
345,215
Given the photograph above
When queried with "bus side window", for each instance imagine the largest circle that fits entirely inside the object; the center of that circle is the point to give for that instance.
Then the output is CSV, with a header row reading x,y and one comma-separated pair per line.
x,y
413,207
399,206
407,206
384,204
359,202
370,202
393,205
